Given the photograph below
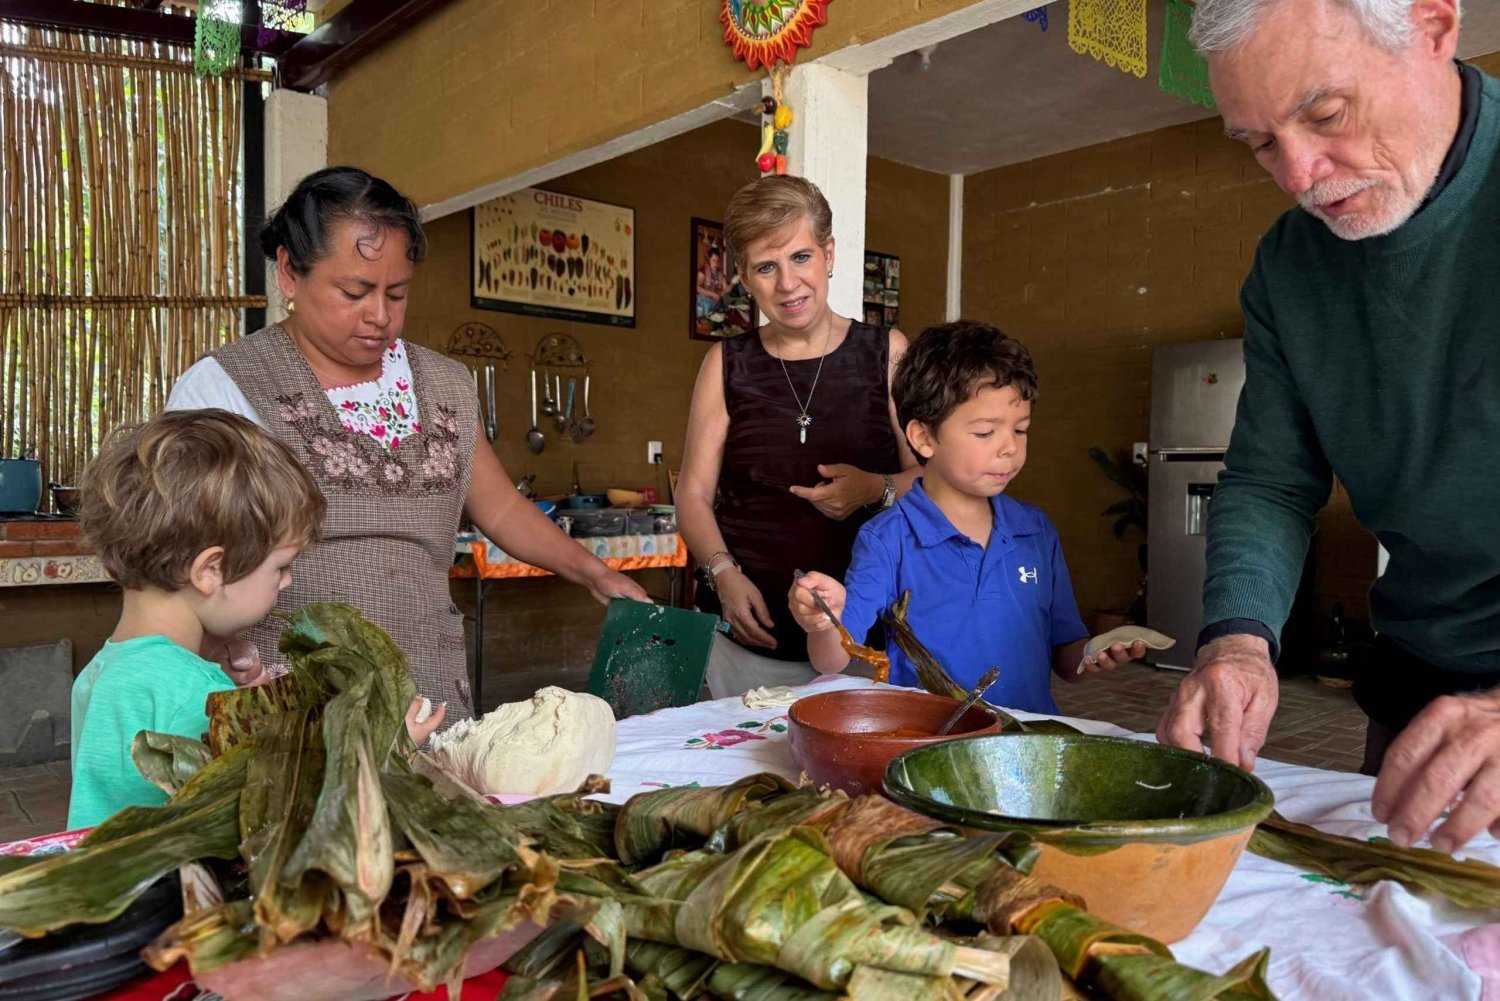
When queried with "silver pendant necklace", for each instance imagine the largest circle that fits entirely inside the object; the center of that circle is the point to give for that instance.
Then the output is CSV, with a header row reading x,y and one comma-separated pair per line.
x,y
804,419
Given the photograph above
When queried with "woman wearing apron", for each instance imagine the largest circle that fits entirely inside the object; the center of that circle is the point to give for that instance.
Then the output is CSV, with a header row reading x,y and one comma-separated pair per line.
x,y
390,431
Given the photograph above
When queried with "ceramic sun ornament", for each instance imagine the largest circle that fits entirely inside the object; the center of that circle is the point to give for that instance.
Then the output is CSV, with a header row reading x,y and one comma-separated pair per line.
x,y
767,32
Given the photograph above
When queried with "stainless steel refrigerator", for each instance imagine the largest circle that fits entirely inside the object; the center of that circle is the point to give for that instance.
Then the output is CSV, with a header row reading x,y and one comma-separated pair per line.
x,y
1194,390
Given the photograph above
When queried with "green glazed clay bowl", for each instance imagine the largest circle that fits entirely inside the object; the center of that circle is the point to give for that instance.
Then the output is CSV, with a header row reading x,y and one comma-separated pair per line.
x,y
1146,834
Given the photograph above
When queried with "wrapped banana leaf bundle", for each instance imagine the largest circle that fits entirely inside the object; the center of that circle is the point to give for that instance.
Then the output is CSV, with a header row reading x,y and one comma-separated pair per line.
x,y
781,901
651,823
930,870
1113,962
1470,883
306,796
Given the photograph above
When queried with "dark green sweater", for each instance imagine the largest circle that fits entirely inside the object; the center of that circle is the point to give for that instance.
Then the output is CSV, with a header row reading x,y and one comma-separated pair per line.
x,y
1377,360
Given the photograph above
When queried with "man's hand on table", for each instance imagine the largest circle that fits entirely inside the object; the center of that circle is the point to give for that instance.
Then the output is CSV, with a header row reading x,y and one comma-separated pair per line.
x,y
1451,749
1228,697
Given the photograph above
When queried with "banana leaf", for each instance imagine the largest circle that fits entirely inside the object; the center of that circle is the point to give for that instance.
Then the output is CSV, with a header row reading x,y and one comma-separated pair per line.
x,y
15,863
1006,898
781,901
805,805
208,939
918,863
459,840
1151,978
238,715
685,817
282,784
664,888
1077,938
166,760
332,645
933,678
349,834
1114,962
567,826
94,884
1470,884
929,672
683,972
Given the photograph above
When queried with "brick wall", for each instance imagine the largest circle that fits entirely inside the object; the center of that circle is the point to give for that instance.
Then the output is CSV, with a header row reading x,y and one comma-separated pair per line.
x,y
484,89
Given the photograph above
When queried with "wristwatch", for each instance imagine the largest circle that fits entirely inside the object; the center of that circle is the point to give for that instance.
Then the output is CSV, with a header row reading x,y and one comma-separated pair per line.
x,y
887,496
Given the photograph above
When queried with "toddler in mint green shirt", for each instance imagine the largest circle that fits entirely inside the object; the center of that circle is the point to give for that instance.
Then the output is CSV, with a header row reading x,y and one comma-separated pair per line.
x,y
197,516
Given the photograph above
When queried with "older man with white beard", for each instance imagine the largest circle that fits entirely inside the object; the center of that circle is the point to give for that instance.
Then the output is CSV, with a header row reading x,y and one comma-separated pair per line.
x,y
1372,353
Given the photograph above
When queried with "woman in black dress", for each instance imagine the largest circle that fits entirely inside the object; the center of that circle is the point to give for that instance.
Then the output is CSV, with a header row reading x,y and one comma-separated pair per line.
x,y
792,439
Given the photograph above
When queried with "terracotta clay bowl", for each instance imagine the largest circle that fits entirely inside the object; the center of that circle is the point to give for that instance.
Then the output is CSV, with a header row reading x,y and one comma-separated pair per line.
x,y
1146,834
844,739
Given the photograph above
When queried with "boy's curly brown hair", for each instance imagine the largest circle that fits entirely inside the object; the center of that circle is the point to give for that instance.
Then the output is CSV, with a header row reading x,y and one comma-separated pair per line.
x,y
949,363
161,492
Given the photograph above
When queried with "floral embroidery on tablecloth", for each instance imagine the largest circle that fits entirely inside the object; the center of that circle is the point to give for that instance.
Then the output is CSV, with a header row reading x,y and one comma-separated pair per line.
x,y
744,733
385,409
1340,889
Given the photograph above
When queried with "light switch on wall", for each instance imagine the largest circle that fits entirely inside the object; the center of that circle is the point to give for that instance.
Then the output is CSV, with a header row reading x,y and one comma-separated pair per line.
x,y
653,451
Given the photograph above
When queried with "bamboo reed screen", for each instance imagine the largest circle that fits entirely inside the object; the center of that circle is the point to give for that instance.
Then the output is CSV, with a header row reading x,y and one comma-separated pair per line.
x,y
120,234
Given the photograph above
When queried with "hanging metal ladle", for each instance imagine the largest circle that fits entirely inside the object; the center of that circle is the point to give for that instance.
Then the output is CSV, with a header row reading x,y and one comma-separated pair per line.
x,y
548,407
586,426
535,440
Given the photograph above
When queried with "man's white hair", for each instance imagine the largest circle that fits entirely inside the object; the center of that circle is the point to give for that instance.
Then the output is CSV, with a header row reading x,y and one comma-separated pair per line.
x,y
1220,25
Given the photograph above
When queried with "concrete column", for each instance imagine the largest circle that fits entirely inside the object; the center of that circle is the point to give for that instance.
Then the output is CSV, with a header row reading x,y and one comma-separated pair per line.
x,y
955,298
296,145
829,139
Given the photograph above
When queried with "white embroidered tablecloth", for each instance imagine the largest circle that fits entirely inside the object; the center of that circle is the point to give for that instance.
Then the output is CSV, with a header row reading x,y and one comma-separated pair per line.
x,y
1329,941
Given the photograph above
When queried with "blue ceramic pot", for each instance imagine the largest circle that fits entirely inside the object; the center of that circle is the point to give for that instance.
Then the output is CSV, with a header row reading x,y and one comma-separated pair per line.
x,y
20,486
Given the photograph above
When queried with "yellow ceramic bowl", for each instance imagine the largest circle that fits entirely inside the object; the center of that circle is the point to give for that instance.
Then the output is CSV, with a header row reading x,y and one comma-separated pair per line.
x,y
625,498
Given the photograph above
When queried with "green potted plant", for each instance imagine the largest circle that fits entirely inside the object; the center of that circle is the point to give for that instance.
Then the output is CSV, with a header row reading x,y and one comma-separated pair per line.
x,y
1128,512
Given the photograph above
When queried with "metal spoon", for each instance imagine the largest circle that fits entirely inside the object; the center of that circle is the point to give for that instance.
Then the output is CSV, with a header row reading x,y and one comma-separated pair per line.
x,y
973,697
587,426
535,440
564,419
548,407
491,425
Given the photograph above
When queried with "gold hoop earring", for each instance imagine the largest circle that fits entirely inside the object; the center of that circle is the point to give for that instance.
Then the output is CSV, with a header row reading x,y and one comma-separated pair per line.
x,y
291,306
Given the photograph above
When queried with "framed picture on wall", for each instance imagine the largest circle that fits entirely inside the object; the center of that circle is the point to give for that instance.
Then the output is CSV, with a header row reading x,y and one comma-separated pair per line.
x,y
718,307
882,289
543,253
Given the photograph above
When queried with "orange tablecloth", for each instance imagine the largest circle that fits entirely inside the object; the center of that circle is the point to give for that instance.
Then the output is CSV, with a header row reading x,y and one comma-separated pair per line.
x,y
502,571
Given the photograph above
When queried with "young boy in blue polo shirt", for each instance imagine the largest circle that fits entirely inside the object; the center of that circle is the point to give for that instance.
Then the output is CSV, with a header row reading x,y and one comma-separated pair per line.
x,y
988,582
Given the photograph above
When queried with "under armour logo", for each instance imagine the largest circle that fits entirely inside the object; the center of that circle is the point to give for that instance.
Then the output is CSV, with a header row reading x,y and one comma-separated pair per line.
x,y
1027,576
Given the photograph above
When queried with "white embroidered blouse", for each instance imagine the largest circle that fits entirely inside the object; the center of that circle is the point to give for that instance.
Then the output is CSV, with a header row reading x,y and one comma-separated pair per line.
x,y
384,408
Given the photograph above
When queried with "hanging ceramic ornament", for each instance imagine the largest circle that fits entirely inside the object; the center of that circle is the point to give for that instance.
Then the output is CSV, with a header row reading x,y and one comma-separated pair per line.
x,y
767,32
1183,72
1113,31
